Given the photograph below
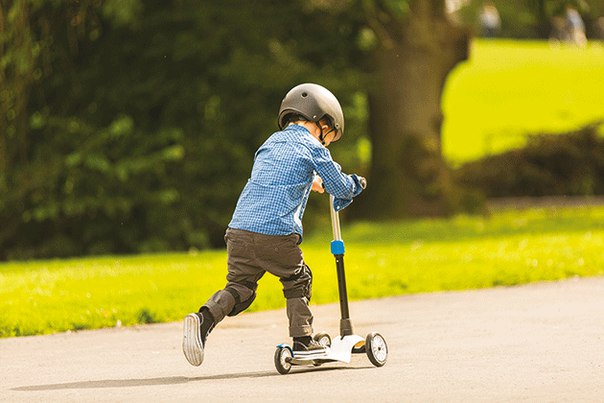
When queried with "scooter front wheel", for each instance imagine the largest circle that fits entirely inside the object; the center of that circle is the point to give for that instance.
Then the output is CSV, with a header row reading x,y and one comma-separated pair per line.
x,y
376,349
283,357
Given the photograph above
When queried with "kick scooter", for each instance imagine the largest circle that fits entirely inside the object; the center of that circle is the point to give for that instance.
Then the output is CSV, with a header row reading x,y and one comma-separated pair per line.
x,y
347,343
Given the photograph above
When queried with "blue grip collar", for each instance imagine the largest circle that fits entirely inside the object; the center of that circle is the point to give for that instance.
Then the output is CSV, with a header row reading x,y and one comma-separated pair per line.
x,y
337,247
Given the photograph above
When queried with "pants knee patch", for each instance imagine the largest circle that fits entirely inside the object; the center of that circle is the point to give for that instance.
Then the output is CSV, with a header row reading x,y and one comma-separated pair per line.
x,y
241,305
302,287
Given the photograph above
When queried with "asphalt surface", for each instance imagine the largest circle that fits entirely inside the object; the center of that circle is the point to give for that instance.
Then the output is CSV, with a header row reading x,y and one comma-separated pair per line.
x,y
541,342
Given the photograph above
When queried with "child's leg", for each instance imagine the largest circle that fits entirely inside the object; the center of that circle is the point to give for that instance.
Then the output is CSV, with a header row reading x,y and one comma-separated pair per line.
x,y
243,275
282,257
237,296
297,290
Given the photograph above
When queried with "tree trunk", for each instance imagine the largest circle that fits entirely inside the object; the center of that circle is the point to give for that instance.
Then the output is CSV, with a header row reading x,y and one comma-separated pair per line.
x,y
17,47
3,97
408,173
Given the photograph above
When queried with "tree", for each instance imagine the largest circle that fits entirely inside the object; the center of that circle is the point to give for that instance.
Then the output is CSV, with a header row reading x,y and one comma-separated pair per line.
x,y
145,116
17,58
131,126
416,47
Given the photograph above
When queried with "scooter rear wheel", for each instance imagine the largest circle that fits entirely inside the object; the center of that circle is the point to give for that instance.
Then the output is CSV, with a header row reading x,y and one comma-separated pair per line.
x,y
376,349
283,356
323,339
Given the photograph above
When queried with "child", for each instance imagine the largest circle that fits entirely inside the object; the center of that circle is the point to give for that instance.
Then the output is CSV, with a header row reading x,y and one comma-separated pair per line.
x,y
266,227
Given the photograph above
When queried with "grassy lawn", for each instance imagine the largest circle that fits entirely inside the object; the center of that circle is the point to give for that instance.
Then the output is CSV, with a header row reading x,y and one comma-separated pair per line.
x,y
507,248
510,88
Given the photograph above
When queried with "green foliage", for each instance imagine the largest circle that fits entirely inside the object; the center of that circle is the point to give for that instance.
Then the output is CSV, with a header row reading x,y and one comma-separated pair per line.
x,y
140,129
122,12
550,165
464,252
71,203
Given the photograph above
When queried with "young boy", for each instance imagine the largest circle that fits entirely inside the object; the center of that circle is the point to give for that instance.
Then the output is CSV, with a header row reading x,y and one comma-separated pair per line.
x,y
266,227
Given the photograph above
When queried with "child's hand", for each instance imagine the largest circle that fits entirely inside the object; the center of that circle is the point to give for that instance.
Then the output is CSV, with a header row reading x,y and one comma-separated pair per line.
x,y
317,185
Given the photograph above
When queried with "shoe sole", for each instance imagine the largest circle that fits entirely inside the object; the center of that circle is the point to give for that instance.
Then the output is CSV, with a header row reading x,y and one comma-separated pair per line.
x,y
192,346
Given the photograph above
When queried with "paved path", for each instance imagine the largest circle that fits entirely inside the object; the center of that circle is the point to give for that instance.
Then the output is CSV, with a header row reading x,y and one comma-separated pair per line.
x,y
542,342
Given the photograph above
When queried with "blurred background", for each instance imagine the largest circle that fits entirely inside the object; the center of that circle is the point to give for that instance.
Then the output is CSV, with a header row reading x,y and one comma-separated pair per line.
x,y
130,126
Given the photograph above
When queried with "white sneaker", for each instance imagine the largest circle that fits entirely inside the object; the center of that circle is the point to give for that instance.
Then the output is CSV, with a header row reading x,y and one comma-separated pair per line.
x,y
192,344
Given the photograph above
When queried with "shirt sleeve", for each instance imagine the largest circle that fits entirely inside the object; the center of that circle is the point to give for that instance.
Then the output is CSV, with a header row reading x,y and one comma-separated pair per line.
x,y
342,186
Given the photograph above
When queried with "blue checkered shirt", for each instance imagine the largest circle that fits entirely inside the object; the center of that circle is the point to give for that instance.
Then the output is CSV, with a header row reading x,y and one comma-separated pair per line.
x,y
274,198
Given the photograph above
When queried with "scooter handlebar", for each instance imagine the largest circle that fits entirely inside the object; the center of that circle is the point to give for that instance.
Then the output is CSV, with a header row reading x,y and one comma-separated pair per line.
x,y
363,182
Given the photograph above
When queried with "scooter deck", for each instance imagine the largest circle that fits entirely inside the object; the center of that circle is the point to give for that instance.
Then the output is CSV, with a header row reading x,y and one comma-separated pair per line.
x,y
340,350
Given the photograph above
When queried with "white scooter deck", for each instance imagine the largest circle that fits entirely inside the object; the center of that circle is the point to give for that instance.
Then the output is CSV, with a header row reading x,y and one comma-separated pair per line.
x,y
340,350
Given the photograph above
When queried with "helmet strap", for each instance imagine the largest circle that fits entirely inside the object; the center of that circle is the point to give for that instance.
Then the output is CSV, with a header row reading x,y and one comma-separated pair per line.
x,y
321,136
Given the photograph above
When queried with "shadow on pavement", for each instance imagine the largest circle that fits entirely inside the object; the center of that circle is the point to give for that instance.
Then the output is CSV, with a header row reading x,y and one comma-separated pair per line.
x,y
171,380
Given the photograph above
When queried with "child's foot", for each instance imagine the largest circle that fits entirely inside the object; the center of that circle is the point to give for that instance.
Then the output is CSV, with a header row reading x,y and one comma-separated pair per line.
x,y
197,326
306,346
192,344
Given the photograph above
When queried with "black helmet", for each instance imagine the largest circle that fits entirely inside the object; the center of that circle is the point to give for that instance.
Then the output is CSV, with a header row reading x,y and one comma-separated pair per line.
x,y
313,102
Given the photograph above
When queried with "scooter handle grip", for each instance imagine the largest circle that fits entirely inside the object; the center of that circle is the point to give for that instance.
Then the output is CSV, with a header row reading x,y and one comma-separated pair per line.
x,y
363,182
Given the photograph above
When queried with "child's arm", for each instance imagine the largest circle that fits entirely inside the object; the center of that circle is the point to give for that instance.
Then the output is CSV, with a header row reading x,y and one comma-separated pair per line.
x,y
344,187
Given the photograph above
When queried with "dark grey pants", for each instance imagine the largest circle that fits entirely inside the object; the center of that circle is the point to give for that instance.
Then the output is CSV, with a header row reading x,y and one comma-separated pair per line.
x,y
250,255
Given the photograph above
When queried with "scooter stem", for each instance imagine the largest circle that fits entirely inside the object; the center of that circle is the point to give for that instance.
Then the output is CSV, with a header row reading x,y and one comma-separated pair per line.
x,y
337,249
335,220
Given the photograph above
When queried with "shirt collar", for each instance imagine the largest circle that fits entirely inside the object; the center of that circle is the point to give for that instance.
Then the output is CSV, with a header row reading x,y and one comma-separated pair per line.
x,y
301,130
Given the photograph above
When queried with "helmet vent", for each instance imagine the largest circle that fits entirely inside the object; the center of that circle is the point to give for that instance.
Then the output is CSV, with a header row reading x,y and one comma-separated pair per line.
x,y
304,94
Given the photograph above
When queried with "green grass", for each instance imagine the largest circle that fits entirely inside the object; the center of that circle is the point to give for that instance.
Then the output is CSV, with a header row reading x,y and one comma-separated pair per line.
x,y
464,252
509,89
